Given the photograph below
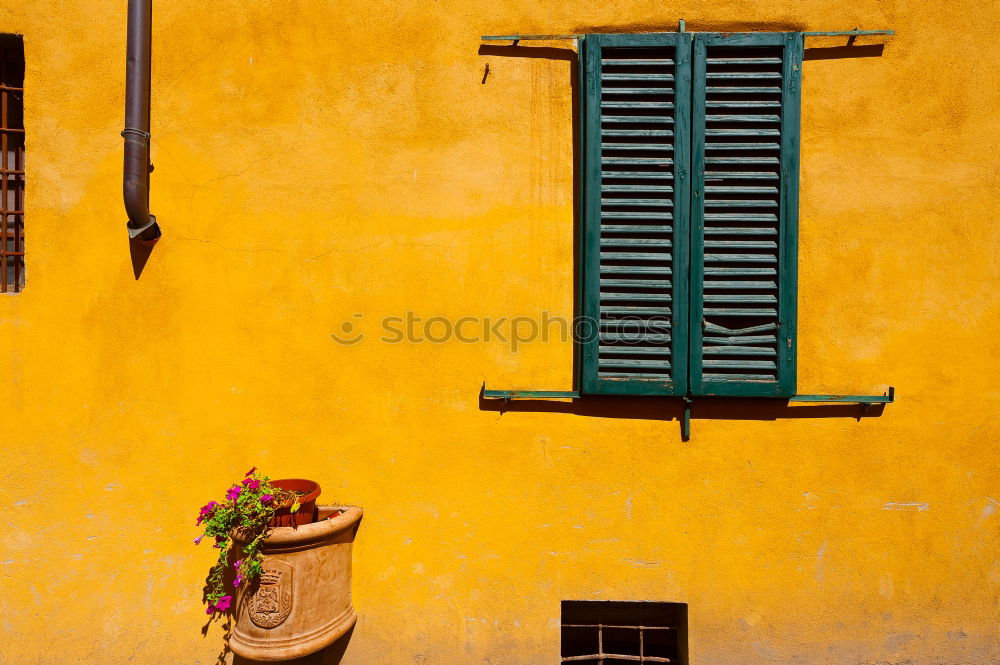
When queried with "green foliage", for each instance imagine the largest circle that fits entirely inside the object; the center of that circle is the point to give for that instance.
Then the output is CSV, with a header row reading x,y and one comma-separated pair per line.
x,y
248,508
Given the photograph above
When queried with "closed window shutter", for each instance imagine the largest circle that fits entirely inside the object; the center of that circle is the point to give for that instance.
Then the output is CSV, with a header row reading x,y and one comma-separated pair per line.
x,y
636,146
744,213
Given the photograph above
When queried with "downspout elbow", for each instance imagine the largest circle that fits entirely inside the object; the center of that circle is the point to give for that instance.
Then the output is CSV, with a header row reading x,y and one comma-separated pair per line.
x,y
135,186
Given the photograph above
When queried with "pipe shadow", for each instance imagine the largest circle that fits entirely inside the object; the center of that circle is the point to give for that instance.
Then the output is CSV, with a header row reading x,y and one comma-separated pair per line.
x,y
139,251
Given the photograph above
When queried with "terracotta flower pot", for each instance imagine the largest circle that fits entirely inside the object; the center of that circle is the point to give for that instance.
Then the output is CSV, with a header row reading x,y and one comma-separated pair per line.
x,y
306,514
302,602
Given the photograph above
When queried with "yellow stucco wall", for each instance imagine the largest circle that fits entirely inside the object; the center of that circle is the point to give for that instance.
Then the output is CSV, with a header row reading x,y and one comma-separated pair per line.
x,y
317,159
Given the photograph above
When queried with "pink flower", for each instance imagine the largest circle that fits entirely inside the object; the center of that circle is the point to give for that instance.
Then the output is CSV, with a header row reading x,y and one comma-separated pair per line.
x,y
233,492
237,580
250,471
251,483
206,511
238,563
222,604
266,499
210,608
197,541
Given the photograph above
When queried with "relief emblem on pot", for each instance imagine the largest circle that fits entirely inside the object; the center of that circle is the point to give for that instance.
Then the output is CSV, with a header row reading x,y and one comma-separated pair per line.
x,y
271,601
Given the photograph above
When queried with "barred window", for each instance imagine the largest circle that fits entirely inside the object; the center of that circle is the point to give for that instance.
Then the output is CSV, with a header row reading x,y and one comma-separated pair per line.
x,y
12,172
601,632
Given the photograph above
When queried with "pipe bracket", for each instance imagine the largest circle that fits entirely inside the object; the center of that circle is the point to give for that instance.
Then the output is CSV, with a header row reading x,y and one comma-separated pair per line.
x,y
136,132
132,232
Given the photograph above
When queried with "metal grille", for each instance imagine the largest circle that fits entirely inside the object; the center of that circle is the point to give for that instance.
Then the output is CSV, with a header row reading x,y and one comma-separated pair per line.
x,y
615,633
12,172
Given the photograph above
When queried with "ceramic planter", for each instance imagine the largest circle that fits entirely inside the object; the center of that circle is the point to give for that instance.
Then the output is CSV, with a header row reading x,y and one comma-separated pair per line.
x,y
302,603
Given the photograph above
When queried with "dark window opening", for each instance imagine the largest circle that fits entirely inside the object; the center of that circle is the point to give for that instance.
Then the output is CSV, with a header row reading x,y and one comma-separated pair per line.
x,y
12,169
614,633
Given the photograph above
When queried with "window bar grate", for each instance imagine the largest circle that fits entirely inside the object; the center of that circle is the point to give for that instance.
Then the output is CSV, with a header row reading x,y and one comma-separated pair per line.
x,y
600,656
620,632
12,170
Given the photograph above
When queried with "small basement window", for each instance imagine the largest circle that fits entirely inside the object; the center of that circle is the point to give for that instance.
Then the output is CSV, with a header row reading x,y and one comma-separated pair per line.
x,y
12,168
617,632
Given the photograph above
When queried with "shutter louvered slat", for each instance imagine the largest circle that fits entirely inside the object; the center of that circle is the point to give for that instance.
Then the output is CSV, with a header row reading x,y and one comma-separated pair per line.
x,y
637,77
743,271
739,284
740,230
742,104
716,189
637,105
643,283
742,133
741,244
656,62
746,175
769,340
631,242
637,228
610,145
613,349
739,203
633,119
726,117
715,76
629,363
637,132
733,90
741,146
636,175
634,338
737,312
664,203
742,61
732,350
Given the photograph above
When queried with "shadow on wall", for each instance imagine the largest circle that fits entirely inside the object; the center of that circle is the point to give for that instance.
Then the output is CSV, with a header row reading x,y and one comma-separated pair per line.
x,y
139,252
332,655
672,408
837,52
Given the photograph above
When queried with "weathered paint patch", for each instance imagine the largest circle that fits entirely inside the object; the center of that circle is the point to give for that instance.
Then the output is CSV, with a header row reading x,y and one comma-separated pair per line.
x,y
898,640
990,508
886,589
919,506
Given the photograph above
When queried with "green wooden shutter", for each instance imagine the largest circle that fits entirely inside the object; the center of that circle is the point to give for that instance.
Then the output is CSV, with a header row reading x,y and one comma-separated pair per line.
x,y
636,187
744,213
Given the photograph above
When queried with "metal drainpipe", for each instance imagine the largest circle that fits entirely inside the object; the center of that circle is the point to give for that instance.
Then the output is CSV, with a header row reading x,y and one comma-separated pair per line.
x,y
135,175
